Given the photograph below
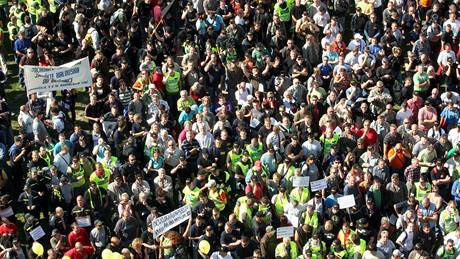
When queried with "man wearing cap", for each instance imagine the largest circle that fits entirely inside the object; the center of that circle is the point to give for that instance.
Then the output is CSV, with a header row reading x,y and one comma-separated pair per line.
x,y
29,200
99,236
117,188
357,42
59,242
97,198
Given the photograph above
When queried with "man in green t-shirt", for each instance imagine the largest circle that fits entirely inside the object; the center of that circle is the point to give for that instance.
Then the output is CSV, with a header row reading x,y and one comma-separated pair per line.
x,y
421,81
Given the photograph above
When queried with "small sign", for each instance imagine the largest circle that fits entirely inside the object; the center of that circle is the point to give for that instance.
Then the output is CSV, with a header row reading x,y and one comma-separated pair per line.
x,y
346,201
300,181
83,222
37,233
318,185
8,212
284,232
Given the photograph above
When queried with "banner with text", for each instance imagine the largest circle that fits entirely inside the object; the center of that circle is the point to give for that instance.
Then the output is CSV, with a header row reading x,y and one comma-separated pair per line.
x,y
171,220
75,74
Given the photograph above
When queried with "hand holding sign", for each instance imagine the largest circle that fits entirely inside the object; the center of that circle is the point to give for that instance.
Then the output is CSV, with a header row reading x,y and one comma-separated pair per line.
x,y
318,185
300,181
284,232
346,202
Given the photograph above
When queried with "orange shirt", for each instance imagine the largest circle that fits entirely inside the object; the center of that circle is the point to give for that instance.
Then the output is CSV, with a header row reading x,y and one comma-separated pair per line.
x,y
399,161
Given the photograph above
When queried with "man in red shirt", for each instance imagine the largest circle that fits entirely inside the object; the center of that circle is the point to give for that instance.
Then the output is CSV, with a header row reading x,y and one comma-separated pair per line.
x,y
367,133
8,227
79,251
78,235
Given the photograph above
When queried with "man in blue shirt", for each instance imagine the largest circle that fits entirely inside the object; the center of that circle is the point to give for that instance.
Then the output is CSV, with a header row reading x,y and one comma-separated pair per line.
x,y
20,46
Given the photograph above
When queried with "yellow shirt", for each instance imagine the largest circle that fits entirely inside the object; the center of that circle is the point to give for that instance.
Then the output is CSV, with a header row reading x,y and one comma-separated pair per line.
x,y
366,8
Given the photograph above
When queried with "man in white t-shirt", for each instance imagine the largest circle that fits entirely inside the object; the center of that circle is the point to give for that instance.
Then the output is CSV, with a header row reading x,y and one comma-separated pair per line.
x,y
455,236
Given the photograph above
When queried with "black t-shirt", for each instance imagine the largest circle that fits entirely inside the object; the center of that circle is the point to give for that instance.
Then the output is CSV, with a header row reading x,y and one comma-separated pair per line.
x,y
246,252
226,238
298,10
448,37
197,231
204,162
452,78
144,9
327,236
94,111
218,225
391,140
214,75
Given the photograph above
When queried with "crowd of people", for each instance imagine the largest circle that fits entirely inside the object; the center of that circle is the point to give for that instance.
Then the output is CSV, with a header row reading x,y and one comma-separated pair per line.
x,y
235,109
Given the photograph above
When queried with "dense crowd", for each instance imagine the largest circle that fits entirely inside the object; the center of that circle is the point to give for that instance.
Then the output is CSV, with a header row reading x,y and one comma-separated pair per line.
x,y
257,115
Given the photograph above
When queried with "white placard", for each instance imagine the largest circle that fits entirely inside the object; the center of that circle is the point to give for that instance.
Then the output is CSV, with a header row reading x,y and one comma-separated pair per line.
x,y
293,219
166,222
318,185
346,201
75,74
83,222
8,212
37,233
284,232
300,181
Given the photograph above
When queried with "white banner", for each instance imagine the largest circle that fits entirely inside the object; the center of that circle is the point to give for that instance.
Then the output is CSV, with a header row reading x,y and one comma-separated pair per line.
x,y
75,74
300,181
318,185
166,222
284,232
346,201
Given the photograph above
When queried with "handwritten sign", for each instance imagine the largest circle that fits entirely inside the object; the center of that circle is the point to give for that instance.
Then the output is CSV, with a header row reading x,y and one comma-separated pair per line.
x,y
166,222
346,201
37,233
83,222
284,232
318,185
300,181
